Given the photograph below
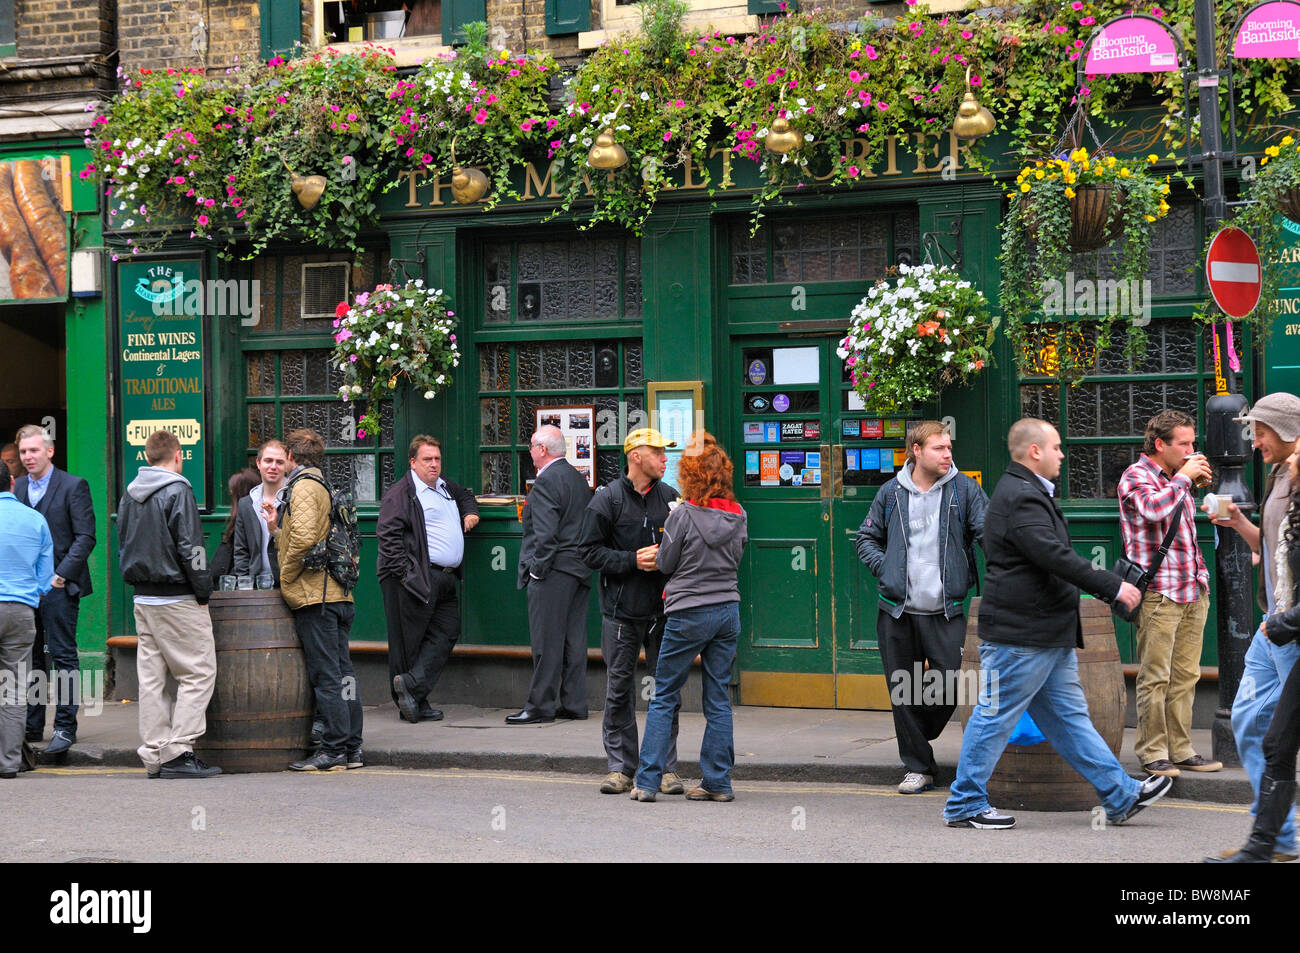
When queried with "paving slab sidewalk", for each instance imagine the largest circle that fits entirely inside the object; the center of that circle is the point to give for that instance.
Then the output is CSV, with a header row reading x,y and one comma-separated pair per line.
x,y
772,744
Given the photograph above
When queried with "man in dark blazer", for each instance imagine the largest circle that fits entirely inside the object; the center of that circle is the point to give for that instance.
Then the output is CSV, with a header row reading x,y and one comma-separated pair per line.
x,y
64,501
423,520
558,583
1030,628
254,545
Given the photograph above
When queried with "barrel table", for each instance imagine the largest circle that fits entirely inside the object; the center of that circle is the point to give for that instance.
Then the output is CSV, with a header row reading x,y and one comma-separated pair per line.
x,y
260,715
1035,777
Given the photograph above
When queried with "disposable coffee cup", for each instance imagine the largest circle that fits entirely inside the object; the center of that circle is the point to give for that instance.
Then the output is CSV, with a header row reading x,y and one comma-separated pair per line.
x,y
1218,506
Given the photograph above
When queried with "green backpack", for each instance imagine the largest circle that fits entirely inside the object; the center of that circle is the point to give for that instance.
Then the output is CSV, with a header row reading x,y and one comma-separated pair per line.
x,y
339,553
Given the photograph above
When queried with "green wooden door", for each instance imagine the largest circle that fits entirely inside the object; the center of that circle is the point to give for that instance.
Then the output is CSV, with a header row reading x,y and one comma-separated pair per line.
x,y
807,466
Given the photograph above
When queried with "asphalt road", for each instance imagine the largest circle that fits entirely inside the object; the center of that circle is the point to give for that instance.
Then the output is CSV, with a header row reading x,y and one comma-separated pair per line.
x,y
391,814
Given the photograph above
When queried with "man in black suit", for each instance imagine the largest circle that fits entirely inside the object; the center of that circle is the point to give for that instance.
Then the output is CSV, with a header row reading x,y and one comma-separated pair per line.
x,y
558,583
1030,627
64,501
423,520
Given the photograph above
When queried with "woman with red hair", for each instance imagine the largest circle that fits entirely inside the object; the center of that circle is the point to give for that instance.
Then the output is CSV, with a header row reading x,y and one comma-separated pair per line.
x,y
702,544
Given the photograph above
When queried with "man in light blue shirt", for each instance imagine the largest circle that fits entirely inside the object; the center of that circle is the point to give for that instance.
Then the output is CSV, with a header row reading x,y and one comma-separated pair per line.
x,y
26,571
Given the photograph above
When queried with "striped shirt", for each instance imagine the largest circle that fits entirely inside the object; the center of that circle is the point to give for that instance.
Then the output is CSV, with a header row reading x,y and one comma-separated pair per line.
x,y
1147,500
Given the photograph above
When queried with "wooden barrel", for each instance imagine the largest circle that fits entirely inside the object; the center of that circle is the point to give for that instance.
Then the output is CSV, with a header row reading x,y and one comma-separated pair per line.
x,y
1035,777
260,715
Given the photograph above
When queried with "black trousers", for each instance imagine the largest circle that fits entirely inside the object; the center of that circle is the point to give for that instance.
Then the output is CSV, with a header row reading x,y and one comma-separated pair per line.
x,y
906,644
323,629
620,644
557,632
1282,740
56,648
421,635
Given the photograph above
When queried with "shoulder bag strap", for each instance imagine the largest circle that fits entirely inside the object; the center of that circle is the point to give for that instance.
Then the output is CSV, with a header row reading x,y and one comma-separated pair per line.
x,y
1169,538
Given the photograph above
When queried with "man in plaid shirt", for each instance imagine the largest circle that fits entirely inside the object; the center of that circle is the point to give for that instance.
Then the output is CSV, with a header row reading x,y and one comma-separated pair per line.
x,y
1172,619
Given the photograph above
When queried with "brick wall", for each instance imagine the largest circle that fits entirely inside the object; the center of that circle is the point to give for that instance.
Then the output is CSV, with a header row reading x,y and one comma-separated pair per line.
x,y
64,50
527,18
160,33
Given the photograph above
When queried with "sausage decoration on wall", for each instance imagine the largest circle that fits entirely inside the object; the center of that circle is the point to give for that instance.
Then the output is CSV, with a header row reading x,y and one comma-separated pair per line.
x,y
33,229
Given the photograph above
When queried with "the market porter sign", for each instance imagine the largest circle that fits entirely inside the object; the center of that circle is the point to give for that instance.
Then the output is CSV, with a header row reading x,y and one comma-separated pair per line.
x,y
160,364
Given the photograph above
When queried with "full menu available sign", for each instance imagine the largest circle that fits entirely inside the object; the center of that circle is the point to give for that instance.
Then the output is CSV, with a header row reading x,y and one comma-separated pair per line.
x,y
160,364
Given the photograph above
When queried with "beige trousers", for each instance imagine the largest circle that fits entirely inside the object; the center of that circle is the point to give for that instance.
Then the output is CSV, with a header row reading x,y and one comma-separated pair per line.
x,y
1169,664
174,640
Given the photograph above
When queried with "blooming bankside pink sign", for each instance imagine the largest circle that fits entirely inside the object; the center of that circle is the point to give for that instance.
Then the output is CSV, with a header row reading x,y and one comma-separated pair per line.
x,y
1135,44
1269,31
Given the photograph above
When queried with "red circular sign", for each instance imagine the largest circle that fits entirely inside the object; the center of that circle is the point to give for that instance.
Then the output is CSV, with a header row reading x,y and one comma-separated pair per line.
x,y
1232,269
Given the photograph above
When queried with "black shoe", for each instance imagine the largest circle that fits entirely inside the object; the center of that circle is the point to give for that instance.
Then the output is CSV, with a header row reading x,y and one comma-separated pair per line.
x,y
430,714
187,766
1275,800
571,715
28,758
406,703
317,732
1153,789
8,775
60,742
356,759
321,761
36,737
527,717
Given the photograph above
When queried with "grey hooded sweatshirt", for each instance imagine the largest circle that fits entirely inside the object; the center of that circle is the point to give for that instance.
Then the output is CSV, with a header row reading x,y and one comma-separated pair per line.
x,y
701,553
924,579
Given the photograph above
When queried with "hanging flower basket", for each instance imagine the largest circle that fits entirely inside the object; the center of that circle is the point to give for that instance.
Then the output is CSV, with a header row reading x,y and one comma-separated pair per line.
x,y
1288,203
390,336
915,334
1061,207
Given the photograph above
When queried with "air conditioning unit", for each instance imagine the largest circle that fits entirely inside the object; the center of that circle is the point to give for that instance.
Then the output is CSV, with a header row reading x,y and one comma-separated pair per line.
x,y
324,285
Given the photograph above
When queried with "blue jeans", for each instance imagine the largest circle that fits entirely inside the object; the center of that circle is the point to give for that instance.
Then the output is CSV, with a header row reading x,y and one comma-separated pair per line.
x,y
710,632
1046,683
1266,669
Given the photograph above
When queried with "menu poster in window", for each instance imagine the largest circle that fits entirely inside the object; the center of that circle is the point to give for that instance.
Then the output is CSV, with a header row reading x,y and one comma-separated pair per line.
x,y
160,363
576,423
35,193
676,411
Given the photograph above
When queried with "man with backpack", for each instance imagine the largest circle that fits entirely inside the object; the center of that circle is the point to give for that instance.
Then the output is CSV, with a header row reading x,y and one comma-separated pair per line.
x,y
917,540
318,566
621,530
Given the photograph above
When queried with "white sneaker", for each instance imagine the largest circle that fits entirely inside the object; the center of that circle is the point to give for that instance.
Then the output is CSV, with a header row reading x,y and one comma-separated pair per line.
x,y
990,820
914,783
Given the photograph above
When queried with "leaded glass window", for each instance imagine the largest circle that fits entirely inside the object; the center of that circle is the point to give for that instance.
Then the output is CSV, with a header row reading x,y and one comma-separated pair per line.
x,y
516,379
555,280
1103,418
290,383
842,247
1175,254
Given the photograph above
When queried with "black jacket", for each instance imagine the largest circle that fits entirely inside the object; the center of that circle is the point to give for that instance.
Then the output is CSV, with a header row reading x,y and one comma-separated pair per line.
x,y
68,509
1032,576
552,521
247,543
403,543
882,542
617,523
161,551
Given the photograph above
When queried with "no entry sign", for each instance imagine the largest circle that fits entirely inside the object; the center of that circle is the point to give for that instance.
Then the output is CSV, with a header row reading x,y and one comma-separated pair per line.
x,y
1233,272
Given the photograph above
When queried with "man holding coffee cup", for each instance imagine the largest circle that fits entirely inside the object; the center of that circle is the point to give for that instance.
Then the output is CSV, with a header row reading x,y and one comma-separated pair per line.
x,y
1275,424
1153,492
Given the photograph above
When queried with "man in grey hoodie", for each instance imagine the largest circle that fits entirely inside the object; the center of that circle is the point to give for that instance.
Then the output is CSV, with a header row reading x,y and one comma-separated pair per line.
x,y
163,557
918,541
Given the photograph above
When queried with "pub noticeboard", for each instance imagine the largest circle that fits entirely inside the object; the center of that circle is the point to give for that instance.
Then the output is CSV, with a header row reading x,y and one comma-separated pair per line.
x,y
160,364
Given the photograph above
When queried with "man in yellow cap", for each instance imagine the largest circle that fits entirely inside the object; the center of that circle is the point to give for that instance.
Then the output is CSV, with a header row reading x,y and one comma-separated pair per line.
x,y
620,536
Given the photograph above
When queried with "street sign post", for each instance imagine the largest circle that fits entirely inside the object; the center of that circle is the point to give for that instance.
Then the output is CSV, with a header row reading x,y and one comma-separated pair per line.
x,y
1232,270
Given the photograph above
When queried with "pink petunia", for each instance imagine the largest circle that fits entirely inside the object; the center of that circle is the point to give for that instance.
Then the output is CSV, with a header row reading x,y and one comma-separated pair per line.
x,y
203,220
668,135
481,116
1087,21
